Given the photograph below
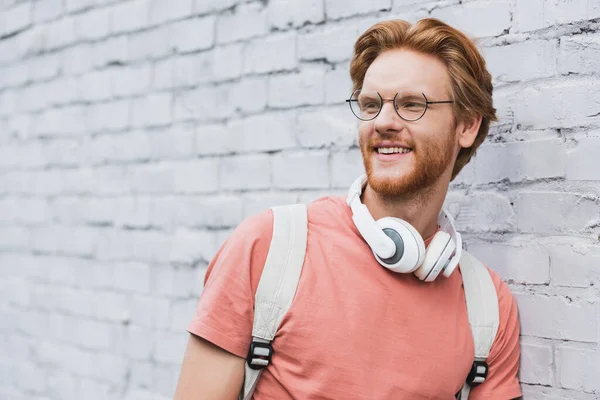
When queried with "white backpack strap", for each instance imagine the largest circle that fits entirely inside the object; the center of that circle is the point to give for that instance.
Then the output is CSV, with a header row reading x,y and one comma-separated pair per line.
x,y
276,288
484,316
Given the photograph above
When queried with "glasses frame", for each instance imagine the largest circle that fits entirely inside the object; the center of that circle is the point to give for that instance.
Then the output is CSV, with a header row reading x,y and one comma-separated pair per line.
x,y
427,103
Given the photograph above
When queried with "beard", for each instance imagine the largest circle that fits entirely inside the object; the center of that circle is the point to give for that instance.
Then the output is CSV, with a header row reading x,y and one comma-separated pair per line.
x,y
428,162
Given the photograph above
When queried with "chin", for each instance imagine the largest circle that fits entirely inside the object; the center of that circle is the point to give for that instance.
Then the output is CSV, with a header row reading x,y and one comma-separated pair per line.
x,y
390,184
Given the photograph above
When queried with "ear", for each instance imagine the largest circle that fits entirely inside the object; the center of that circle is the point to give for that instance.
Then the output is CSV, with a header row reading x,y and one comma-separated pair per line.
x,y
467,131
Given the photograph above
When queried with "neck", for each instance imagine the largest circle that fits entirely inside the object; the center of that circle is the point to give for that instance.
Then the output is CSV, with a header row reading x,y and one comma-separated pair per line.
x,y
420,209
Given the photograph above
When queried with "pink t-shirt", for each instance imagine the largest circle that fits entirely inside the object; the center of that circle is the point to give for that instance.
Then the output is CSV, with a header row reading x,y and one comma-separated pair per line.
x,y
355,330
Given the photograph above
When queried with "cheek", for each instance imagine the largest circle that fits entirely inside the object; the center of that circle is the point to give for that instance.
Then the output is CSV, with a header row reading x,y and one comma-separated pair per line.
x,y
364,130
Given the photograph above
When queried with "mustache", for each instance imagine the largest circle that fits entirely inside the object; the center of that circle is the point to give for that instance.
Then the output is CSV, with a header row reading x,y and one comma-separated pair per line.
x,y
374,142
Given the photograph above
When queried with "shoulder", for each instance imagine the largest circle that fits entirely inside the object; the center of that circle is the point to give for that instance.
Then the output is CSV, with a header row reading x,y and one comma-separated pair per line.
x,y
243,253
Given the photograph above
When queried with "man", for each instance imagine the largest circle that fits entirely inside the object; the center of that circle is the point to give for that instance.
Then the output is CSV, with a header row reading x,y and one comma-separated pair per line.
x,y
356,330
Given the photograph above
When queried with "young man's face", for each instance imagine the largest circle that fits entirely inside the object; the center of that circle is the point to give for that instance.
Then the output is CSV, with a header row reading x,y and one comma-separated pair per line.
x,y
432,139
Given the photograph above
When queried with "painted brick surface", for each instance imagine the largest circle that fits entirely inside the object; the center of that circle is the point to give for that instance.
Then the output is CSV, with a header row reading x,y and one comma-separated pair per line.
x,y
135,135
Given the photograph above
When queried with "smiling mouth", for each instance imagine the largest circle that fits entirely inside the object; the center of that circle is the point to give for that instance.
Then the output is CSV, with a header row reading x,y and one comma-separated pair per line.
x,y
392,150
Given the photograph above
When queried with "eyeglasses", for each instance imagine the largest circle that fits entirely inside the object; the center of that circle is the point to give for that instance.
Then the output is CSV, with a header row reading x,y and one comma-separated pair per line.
x,y
366,104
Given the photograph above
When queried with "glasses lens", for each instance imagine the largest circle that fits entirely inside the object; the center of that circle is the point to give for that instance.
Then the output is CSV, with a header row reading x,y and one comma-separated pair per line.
x,y
411,106
365,104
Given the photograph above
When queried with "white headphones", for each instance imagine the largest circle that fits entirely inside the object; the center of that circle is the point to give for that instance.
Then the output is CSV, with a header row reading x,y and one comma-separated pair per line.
x,y
399,247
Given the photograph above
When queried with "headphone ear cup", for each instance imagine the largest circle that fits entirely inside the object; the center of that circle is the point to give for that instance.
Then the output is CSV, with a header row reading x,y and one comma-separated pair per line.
x,y
410,248
437,256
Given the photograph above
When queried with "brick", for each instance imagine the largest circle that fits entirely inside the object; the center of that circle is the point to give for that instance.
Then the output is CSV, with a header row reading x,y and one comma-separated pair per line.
x,y
217,211
301,170
304,88
346,166
210,6
578,367
30,377
78,59
485,212
112,116
161,11
528,15
150,44
248,21
95,86
94,335
284,13
44,67
170,347
190,246
559,104
130,16
165,379
32,99
14,76
23,210
174,143
247,172
582,162
327,126
109,52
192,34
132,277
205,103
274,53
93,25
529,265
147,311
257,203
136,343
62,92
338,86
265,132
493,17
152,110
182,312
538,14
337,9
575,265
211,139
13,237
554,212
532,59
577,54
227,62
152,178
105,368
130,81
333,44
556,317
186,71
520,161
62,385
197,176
251,94
75,6
54,240
17,18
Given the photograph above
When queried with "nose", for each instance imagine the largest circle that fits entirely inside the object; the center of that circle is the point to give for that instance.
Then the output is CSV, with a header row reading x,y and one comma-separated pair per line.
x,y
388,120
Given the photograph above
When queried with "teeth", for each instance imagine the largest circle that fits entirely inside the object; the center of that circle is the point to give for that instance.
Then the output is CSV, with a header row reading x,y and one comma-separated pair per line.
x,y
392,150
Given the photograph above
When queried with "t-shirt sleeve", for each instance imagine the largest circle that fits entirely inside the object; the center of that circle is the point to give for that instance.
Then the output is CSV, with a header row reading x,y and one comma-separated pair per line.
x,y
502,382
224,314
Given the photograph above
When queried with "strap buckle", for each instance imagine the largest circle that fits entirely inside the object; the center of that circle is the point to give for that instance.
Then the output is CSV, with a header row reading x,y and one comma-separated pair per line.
x,y
259,355
478,373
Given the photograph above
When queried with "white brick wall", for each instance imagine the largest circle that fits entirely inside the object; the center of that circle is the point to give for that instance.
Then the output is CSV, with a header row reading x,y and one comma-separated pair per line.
x,y
136,134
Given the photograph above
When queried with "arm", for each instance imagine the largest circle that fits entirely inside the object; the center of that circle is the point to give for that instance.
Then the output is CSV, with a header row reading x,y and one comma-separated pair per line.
x,y
209,372
213,365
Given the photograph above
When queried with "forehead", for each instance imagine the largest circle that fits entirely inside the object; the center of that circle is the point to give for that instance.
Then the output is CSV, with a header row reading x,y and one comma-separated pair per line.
x,y
407,70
